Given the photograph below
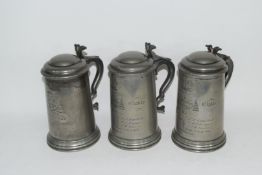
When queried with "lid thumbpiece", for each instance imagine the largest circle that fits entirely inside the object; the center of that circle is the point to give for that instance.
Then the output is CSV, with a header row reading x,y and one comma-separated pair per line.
x,y
80,53
149,50
151,54
213,50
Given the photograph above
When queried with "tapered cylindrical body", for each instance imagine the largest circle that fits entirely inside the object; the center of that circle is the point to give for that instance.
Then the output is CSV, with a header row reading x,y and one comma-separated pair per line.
x,y
69,104
133,109
200,102
133,100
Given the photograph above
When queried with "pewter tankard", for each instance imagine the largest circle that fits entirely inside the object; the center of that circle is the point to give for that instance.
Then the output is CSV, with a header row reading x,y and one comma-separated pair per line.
x,y
134,103
69,100
202,79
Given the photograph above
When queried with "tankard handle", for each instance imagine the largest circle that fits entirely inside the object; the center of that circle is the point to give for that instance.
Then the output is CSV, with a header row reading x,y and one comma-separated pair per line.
x,y
230,65
226,58
159,62
98,76
169,78
99,70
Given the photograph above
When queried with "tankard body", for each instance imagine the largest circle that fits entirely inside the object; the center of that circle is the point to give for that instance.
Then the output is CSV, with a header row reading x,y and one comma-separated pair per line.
x,y
69,104
200,102
133,99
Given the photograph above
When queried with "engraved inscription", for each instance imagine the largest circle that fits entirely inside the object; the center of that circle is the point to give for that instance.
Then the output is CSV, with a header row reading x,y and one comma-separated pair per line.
x,y
131,118
208,103
191,119
129,106
137,101
192,125
131,124
55,108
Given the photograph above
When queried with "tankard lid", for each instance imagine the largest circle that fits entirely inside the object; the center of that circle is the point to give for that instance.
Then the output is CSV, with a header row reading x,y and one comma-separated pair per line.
x,y
131,62
203,62
64,66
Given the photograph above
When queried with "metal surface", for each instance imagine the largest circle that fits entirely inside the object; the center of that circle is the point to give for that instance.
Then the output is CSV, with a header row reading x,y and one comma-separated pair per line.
x,y
133,98
69,100
200,103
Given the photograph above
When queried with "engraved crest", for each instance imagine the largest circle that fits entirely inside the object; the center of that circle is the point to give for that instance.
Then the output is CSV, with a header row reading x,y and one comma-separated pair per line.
x,y
195,106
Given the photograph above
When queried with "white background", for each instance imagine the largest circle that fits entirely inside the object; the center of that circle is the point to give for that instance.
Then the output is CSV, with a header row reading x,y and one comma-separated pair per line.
x,y
32,31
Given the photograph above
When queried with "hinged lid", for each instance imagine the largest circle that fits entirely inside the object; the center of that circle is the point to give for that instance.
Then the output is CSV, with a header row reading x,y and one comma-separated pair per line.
x,y
131,62
64,66
204,61
64,60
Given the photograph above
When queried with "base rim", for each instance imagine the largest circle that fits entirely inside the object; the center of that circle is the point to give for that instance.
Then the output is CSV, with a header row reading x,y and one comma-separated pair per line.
x,y
198,146
73,145
135,145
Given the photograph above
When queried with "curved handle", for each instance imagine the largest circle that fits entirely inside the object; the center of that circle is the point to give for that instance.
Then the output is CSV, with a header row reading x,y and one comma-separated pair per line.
x,y
79,49
230,65
98,76
226,58
160,61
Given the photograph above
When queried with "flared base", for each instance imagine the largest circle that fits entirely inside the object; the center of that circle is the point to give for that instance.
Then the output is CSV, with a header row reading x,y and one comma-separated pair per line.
x,y
198,146
135,144
73,145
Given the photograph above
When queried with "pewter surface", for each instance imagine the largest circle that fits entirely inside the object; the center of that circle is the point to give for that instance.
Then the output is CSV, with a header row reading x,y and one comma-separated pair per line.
x,y
200,112
133,106
134,103
70,114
